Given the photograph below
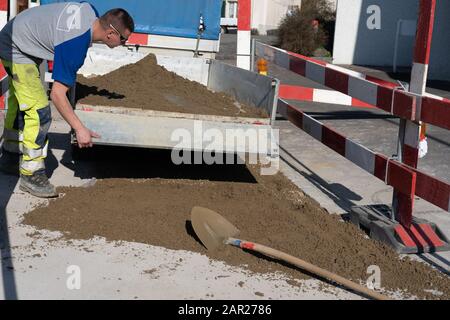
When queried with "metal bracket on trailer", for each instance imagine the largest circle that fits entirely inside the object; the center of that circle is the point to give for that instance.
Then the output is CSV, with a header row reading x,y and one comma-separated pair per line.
x,y
422,237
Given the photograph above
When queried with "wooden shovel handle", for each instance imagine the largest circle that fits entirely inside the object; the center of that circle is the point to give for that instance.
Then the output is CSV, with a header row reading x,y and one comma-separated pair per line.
x,y
308,267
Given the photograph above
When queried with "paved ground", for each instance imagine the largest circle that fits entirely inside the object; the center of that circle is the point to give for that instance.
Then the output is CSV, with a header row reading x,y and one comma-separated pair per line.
x,y
38,268
41,267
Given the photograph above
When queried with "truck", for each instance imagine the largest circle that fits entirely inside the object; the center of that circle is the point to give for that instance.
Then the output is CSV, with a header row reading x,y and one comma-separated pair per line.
x,y
167,27
228,18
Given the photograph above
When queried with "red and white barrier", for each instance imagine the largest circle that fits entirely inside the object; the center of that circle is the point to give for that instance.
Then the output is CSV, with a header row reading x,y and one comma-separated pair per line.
x,y
435,111
244,34
409,181
409,130
411,107
379,93
4,83
289,92
382,95
4,87
157,41
423,46
3,75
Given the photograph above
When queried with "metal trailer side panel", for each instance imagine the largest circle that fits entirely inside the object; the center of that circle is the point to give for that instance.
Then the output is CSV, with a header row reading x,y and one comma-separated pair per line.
x,y
124,126
178,133
190,68
101,60
167,114
245,86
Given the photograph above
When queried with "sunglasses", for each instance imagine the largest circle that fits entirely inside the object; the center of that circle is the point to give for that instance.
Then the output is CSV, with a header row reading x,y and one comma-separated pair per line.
x,y
122,38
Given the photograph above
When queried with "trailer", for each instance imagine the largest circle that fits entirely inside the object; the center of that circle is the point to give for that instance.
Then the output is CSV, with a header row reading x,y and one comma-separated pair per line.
x,y
134,127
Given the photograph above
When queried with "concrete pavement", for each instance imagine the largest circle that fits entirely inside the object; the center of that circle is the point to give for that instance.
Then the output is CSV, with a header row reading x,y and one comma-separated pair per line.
x,y
42,265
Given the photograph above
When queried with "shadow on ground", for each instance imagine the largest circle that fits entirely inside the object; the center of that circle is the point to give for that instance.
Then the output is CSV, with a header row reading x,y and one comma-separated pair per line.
x,y
338,193
7,186
104,162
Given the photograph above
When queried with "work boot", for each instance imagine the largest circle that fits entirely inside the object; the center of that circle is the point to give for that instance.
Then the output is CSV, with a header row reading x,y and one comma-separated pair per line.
x,y
37,185
9,162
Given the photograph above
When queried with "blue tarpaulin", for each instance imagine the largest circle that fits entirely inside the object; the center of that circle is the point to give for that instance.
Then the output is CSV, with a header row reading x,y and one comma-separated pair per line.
x,y
179,18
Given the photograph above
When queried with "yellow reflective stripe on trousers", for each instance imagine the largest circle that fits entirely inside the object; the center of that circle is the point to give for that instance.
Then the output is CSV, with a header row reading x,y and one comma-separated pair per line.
x,y
29,167
35,153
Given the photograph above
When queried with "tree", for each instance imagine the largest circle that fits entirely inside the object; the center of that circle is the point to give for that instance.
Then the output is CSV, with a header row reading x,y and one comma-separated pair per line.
x,y
302,29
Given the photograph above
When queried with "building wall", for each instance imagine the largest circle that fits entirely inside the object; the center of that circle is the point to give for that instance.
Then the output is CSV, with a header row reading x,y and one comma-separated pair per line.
x,y
267,14
440,47
355,43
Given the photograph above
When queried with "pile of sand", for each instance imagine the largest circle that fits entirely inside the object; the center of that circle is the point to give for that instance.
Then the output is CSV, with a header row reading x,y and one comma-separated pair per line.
x,y
146,85
155,209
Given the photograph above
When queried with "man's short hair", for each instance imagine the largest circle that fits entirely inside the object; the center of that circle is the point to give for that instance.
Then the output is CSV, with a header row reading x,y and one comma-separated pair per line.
x,y
119,18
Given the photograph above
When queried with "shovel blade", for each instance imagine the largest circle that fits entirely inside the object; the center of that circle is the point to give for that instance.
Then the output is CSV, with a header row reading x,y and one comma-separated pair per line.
x,y
211,228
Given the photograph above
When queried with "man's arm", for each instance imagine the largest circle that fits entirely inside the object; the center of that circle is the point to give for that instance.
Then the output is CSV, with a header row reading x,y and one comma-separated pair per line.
x,y
59,98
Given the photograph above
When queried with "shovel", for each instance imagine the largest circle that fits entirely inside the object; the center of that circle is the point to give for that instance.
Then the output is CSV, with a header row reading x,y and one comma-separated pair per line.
x,y
213,230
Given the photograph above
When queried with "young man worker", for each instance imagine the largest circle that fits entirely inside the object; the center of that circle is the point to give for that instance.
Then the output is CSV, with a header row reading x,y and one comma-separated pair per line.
x,y
60,32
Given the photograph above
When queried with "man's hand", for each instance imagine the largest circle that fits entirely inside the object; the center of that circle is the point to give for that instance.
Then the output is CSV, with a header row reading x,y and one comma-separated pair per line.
x,y
58,95
84,137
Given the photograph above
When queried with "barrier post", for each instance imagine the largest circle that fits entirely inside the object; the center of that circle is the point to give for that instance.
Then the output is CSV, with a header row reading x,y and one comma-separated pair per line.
x,y
244,34
252,57
4,7
409,131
